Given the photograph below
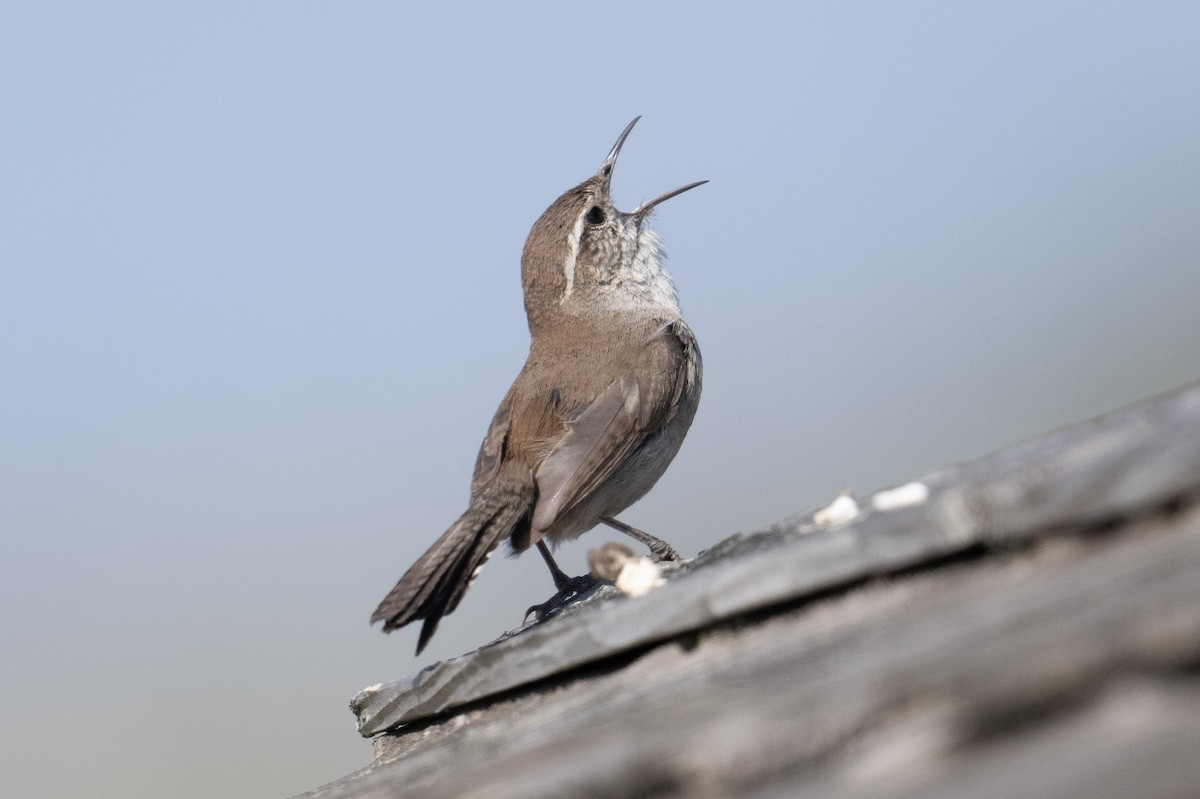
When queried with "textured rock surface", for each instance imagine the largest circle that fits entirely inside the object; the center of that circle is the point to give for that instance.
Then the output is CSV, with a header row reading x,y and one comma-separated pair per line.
x,y
1032,627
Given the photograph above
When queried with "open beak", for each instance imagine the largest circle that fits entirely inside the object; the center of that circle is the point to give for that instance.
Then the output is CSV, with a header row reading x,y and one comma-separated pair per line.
x,y
606,170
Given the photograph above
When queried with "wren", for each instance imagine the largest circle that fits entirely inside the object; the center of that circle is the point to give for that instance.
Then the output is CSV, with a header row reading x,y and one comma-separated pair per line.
x,y
595,416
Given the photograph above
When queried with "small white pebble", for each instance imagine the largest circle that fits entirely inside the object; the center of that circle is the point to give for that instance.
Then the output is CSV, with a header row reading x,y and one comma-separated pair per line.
x,y
842,509
639,576
904,496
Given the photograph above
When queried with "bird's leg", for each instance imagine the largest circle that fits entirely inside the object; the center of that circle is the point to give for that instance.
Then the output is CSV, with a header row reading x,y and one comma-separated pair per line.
x,y
660,549
561,581
568,587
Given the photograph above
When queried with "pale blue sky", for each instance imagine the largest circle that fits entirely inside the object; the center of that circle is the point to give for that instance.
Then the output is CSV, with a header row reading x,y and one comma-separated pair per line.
x,y
259,296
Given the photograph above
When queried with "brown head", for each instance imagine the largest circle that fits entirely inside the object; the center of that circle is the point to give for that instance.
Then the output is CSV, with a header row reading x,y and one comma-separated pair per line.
x,y
583,256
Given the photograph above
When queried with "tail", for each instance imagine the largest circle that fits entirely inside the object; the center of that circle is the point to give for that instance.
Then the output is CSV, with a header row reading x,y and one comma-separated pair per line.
x,y
434,585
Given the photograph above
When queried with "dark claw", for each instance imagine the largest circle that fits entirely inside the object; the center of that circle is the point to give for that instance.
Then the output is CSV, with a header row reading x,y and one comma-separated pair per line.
x,y
665,552
569,590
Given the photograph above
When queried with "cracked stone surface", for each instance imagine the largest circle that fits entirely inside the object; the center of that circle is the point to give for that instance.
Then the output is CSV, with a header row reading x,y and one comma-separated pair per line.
x,y
1115,465
1029,624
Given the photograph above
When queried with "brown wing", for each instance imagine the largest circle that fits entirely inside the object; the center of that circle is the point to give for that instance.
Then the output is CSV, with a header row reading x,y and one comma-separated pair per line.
x,y
491,451
603,434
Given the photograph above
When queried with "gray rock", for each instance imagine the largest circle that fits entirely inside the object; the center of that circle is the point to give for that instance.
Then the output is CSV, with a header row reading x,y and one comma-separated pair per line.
x,y
1090,473
1032,628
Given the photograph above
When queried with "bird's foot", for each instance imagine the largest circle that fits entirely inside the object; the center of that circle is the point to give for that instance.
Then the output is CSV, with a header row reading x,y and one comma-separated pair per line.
x,y
659,550
570,589
662,551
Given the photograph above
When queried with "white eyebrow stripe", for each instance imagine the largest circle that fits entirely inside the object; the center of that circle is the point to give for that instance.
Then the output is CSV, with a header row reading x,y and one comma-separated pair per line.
x,y
572,257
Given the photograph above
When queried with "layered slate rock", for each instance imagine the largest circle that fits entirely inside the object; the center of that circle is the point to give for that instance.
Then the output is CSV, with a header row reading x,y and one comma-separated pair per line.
x,y
1028,622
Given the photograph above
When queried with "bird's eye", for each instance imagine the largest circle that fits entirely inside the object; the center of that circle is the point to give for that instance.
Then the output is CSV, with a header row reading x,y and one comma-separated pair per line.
x,y
595,215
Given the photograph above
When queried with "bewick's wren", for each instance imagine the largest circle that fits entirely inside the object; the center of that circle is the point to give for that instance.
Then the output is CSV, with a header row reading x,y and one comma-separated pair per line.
x,y
595,416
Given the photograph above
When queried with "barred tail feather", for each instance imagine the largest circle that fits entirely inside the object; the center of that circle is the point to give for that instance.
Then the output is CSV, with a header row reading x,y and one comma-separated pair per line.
x,y
436,583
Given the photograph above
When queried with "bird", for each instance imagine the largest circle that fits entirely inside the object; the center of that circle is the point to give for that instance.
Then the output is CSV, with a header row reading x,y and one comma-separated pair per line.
x,y
597,413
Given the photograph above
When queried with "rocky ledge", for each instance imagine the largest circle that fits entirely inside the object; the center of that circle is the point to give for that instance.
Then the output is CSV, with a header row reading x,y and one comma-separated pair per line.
x,y
1025,624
